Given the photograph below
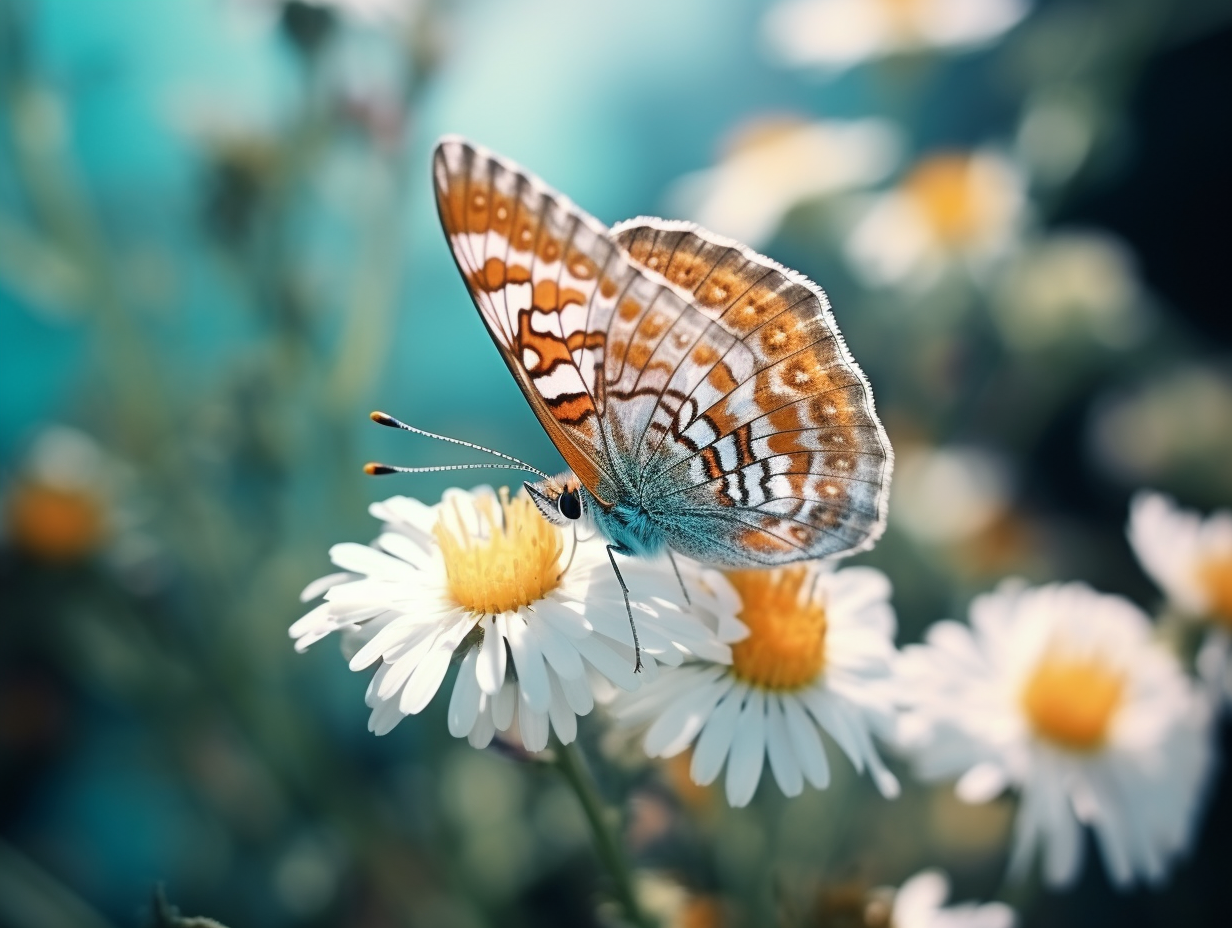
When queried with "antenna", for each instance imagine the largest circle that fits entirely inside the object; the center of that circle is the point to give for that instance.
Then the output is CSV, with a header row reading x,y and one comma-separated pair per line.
x,y
381,418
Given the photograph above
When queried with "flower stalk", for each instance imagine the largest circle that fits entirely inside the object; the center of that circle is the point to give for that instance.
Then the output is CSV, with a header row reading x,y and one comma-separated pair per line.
x,y
573,767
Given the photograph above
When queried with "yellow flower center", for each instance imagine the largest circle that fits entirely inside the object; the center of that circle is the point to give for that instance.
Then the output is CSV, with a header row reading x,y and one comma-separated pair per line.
x,y
1216,576
786,646
1071,701
513,562
56,524
944,190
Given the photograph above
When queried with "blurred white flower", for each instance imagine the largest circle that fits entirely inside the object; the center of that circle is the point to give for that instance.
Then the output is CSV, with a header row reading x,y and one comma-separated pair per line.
x,y
919,902
1062,693
1071,284
949,494
1190,558
817,656
836,34
951,208
771,166
488,579
1172,428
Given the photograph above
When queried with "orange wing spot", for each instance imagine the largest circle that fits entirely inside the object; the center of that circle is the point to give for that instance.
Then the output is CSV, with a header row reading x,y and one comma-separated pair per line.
x,y
581,266
657,259
630,309
783,336
704,355
478,215
524,233
831,412
840,462
516,274
639,248
723,419
744,446
639,354
763,542
546,297
686,270
785,419
582,339
721,378
572,409
754,308
618,349
569,295
502,214
607,287
549,249
720,288
493,274
453,209
652,326
804,375
548,347
785,443
801,534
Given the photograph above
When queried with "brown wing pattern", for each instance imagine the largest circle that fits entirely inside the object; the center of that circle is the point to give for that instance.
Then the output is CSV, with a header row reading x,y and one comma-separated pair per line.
x,y
760,415
544,275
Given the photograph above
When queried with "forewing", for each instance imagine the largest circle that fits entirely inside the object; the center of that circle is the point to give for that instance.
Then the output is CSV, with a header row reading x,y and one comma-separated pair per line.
x,y
759,429
544,276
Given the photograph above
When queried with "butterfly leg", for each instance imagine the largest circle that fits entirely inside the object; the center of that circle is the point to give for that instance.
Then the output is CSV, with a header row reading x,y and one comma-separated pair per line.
x,y
679,579
612,551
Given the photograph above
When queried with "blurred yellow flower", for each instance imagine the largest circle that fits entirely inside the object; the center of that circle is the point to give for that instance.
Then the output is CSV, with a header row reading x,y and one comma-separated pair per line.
x,y
951,208
771,166
836,34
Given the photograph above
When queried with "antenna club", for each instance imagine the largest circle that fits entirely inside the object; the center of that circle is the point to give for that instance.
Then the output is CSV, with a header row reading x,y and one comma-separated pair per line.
x,y
372,469
381,418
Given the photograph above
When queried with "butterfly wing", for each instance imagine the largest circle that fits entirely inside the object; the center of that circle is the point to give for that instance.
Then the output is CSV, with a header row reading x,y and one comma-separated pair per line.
x,y
545,277
754,430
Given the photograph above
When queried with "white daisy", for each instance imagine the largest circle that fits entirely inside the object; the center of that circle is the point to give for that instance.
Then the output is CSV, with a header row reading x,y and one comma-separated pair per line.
x,y
1061,693
951,209
918,904
817,656
486,578
1190,558
770,167
836,34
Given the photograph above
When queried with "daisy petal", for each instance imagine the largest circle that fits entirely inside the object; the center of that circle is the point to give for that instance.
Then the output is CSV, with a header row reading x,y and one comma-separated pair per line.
x,y
807,742
528,660
783,762
490,666
716,737
464,704
748,751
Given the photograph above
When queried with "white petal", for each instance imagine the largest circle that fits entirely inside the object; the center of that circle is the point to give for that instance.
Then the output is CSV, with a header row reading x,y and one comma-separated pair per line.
x,y
464,704
558,649
532,724
321,584
370,562
403,631
564,722
807,742
748,751
504,704
384,717
481,735
609,662
672,731
578,694
426,680
490,668
528,659
716,737
401,547
982,783
918,900
783,762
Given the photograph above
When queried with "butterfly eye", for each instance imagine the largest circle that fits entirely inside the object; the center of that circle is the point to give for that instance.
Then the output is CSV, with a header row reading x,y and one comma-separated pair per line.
x,y
570,505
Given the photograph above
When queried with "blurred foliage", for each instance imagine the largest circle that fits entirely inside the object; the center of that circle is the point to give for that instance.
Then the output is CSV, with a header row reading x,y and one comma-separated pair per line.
x,y
218,250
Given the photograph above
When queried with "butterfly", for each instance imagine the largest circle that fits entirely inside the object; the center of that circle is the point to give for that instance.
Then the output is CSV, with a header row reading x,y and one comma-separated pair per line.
x,y
700,393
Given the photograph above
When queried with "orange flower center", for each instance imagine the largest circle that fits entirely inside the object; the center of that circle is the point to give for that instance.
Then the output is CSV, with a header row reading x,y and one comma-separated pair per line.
x,y
1071,702
56,524
1215,575
944,190
512,562
786,646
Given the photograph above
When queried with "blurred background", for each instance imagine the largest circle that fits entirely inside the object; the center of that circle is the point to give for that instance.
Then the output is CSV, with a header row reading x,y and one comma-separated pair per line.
x,y
219,250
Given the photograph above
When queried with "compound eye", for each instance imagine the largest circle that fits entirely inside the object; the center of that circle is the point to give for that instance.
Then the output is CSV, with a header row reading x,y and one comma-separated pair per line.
x,y
570,505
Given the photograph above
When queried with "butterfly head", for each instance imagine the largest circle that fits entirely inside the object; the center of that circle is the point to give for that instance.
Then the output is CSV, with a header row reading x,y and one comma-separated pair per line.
x,y
559,498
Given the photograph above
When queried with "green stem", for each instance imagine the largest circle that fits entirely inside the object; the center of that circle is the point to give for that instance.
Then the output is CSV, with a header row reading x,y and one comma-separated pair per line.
x,y
573,767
